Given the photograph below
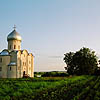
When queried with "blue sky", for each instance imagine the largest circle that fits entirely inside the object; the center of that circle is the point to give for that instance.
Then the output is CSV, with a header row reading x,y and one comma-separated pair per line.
x,y
50,28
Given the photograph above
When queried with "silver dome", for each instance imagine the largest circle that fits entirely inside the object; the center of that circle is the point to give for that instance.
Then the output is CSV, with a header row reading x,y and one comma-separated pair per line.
x,y
14,36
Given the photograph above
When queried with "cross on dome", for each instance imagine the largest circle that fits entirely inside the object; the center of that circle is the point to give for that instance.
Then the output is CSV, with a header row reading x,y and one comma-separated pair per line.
x,y
14,27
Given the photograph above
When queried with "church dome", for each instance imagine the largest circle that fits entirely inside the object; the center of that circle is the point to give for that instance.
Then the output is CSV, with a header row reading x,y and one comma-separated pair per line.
x,y
14,36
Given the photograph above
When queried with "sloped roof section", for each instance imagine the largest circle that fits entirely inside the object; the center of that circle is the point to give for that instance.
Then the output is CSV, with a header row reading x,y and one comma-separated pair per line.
x,y
12,64
4,53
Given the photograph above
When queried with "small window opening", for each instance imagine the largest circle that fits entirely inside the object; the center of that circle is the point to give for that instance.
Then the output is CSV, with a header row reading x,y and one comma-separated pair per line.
x,y
23,63
0,68
23,73
14,46
0,59
10,68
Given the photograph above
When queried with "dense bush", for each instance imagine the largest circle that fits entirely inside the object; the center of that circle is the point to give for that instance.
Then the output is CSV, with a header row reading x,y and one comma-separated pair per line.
x,y
55,74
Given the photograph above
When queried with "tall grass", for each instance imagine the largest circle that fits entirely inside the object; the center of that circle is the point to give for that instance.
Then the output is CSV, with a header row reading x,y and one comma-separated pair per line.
x,y
19,89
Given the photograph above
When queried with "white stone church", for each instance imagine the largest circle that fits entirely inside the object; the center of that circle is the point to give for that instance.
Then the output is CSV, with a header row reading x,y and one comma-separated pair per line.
x,y
14,62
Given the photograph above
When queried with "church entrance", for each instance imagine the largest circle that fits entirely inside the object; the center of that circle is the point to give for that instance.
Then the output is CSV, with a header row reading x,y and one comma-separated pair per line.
x,y
23,73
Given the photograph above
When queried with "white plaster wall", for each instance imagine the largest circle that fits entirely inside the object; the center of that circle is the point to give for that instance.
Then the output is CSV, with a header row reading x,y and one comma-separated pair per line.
x,y
4,65
19,64
12,43
12,72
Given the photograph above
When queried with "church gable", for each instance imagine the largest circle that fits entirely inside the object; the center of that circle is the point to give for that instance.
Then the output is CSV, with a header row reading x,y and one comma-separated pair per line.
x,y
5,52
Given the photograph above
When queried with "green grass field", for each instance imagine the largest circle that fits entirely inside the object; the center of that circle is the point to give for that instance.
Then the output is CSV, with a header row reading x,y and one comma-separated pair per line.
x,y
51,88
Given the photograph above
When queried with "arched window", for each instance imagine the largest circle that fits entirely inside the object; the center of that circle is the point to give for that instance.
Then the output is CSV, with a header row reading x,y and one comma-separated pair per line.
x,y
0,59
23,63
0,68
10,68
14,46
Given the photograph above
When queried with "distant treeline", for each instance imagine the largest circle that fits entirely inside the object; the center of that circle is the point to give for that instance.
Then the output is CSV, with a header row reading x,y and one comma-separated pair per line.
x,y
51,74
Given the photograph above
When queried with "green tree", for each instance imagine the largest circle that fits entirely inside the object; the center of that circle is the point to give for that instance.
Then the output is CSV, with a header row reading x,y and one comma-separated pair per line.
x,y
68,60
82,62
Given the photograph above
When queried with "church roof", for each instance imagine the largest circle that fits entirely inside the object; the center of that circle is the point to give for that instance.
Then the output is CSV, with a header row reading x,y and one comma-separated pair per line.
x,y
4,52
14,35
12,64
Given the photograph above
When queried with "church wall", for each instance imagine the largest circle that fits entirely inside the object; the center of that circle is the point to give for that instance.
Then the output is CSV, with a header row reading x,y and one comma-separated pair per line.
x,y
12,69
32,66
19,64
14,45
25,61
29,65
4,66
13,56
12,72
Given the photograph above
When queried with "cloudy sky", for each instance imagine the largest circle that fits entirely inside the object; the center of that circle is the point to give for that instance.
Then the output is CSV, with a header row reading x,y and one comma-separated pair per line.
x,y
50,28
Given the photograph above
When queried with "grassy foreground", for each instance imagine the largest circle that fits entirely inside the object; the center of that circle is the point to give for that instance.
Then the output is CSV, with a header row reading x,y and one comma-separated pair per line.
x,y
58,88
